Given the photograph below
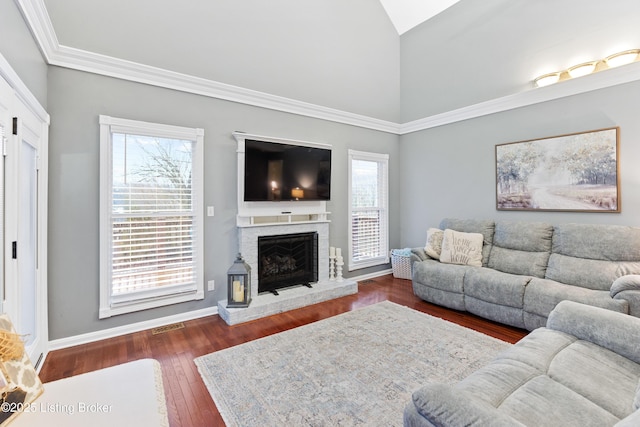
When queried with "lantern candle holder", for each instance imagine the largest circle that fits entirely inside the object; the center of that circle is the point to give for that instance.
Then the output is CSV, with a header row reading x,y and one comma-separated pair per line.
x,y
239,284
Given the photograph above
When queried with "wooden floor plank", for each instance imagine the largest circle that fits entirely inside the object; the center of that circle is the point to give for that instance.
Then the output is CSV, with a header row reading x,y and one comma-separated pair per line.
x,y
188,401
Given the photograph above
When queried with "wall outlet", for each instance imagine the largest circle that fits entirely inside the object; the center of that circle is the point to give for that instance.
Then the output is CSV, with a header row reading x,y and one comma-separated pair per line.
x,y
211,285
210,211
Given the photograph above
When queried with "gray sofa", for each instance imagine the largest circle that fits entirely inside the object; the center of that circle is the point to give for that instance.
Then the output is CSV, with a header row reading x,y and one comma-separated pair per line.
x,y
529,267
582,369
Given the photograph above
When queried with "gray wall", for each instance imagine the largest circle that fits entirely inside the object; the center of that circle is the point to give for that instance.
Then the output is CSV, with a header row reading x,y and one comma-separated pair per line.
x,y
450,170
335,53
76,100
21,51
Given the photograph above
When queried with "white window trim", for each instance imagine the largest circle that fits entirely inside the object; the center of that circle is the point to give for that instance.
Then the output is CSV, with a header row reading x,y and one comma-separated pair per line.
x,y
384,209
110,306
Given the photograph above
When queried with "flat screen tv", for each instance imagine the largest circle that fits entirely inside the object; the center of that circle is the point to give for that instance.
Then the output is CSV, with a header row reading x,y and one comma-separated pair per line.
x,y
285,172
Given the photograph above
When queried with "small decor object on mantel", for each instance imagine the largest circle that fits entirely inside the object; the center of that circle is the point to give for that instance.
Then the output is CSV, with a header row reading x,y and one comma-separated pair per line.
x,y
239,284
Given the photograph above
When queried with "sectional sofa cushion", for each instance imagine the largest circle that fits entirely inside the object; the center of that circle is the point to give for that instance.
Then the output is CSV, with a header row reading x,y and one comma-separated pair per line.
x,y
440,283
586,322
543,295
597,241
496,287
587,273
521,250
593,256
461,248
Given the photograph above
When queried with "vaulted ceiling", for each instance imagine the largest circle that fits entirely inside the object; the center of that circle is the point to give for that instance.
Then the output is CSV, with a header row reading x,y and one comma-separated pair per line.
x,y
406,14
354,62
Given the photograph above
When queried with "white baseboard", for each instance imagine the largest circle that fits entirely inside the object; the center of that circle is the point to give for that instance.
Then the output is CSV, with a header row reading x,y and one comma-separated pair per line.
x,y
371,275
154,323
128,329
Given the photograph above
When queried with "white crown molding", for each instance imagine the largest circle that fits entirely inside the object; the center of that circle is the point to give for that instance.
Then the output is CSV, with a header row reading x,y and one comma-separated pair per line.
x,y
37,17
113,67
603,79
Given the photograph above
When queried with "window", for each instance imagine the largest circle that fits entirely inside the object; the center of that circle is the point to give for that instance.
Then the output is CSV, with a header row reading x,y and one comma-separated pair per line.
x,y
368,209
151,224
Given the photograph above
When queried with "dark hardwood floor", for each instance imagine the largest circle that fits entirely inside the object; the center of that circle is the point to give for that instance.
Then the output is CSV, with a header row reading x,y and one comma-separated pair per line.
x,y
188,401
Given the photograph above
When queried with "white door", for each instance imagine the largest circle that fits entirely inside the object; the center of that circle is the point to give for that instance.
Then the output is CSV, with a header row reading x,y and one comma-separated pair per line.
x,y
24,228
6,97
27,245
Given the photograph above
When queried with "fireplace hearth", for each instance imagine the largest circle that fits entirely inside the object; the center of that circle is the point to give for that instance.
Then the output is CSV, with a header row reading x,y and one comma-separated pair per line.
x,y
287,260
293,297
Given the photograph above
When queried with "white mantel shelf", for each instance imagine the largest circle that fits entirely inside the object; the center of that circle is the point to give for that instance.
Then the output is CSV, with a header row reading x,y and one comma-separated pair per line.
x,y
281,219
268,304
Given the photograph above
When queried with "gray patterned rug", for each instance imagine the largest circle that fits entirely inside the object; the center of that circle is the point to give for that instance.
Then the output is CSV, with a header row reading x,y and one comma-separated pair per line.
x,y
357,368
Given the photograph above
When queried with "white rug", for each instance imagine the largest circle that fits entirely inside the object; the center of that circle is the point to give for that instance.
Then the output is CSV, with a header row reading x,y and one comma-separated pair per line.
x,y
357,368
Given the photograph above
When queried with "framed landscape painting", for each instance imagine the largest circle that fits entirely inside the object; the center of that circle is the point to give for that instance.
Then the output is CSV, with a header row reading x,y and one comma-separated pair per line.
x,y
578,172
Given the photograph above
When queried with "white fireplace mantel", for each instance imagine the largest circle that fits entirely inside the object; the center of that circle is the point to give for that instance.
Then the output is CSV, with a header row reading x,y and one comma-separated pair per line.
x,y
266,304
256,219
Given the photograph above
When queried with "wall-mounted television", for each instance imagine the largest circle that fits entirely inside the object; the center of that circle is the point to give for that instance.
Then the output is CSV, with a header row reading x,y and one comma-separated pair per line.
x,y
286,172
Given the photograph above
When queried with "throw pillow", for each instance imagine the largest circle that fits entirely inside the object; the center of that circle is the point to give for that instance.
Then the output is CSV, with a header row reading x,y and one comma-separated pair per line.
x,y
19,382
462,248
434,242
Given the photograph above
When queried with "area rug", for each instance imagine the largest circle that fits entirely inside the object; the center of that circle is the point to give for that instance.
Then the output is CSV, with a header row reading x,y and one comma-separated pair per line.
x,y
357,368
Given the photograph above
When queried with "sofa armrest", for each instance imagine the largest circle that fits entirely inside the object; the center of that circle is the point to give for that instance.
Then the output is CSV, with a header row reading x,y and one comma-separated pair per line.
x,y
628,288
633,299
630,282
442,405
617,332
418,254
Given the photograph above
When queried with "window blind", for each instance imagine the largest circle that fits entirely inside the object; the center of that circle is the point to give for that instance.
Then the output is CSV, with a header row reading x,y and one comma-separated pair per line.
x,y
152,217
368,209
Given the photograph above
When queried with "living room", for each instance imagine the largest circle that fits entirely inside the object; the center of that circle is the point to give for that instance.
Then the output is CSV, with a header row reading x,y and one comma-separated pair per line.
x,y
436,100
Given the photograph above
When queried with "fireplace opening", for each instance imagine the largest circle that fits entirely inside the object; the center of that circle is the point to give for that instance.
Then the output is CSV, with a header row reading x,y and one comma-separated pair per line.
x,y
287,260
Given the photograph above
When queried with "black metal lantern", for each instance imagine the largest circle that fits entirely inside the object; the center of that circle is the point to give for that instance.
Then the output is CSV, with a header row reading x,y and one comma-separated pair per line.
x,y
239,284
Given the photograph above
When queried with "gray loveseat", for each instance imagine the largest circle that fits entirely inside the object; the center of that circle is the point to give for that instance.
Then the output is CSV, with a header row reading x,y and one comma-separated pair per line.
x,y
581,370
529,267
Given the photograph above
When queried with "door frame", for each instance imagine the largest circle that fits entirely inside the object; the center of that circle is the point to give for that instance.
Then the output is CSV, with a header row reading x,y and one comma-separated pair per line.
x,y
31,124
